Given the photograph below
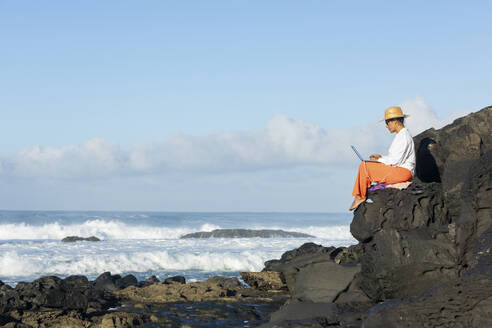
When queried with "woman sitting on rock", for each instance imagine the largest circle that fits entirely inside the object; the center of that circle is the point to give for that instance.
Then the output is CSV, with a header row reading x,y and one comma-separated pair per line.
x,y
397,166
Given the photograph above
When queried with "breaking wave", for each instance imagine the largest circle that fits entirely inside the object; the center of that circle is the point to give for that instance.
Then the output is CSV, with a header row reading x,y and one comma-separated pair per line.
x,y
114,229
14,264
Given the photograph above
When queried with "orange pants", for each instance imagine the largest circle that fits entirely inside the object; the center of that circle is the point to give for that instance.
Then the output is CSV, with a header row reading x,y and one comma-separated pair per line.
x,y
380,173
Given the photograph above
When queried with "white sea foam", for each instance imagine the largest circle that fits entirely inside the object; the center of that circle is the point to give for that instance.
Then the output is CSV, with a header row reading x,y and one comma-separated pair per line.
x,y
31,259
149,243
114,229
15,264
11,264
103,229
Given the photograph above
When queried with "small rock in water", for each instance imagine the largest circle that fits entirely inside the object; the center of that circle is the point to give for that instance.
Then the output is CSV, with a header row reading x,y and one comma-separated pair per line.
x,y
71,239
246,233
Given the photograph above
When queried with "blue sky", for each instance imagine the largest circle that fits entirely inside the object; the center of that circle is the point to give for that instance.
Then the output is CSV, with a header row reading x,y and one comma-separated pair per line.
x,y
222,105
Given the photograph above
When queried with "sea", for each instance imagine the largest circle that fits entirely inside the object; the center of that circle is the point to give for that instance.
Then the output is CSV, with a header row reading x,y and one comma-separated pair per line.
x,y
149,243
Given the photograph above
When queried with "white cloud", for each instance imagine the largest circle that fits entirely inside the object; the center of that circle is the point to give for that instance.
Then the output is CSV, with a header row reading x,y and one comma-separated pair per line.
x,y
95,157
284,142
423,116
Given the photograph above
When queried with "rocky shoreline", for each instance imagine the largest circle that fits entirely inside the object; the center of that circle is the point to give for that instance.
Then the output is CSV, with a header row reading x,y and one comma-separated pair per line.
x,y
424,259
115,301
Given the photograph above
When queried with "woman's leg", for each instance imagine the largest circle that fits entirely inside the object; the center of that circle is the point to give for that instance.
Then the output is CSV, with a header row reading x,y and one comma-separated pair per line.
x,y
376,172
369,172
398,174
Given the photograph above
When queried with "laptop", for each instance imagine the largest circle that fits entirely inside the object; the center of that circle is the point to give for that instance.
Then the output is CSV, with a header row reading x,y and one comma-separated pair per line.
x,y
362,159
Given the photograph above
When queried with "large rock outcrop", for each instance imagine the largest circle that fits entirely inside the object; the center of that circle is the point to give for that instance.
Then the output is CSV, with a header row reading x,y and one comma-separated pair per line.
x,y
407,244
413,239
425,252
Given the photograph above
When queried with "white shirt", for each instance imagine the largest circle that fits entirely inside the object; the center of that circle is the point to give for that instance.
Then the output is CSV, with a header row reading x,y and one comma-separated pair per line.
x,y
401,152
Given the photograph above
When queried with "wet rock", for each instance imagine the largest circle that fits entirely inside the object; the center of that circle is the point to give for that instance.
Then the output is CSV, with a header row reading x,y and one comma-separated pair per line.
x,y
4,319
53,293
149,281
210,314
225,282
108,282
51,302
245,233
10,299
123,320
214,289
175,280
266,280
49,293
72,239
52,318
126,281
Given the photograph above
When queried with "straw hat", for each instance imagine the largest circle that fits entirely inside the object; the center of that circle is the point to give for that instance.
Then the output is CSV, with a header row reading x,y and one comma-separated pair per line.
x,y
393,112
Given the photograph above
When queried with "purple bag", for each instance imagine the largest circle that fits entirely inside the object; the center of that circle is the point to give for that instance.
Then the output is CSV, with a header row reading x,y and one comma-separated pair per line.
x,y
377,187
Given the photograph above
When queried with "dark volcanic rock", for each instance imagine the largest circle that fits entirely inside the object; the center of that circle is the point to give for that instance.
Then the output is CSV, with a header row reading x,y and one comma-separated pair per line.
x,y
149,281
425,252
54,293
407,243
175,280
306,250
413,239
48,293
311,273
10,299
71,239
245,233
447,155
464,302
474,225
265,280
4,319
77,302
318,315
109,282
224,282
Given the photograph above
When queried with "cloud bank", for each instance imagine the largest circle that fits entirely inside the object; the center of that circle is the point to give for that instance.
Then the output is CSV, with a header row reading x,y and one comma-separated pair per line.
x,y
283,143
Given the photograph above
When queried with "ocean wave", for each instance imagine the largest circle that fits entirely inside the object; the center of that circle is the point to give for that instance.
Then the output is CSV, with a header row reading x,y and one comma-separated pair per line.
x,y
115,229
103,229
14,264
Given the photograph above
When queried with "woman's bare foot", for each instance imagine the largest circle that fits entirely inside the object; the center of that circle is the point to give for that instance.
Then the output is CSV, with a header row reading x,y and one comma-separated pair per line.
x,y
357,201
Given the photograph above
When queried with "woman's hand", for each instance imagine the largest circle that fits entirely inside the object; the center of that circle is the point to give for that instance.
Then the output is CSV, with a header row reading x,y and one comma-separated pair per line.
x,y
375,157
